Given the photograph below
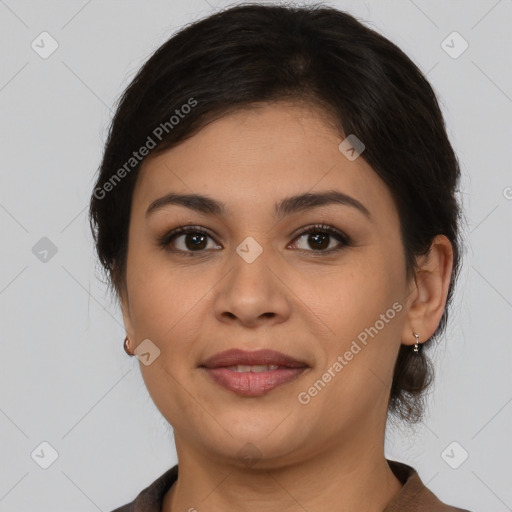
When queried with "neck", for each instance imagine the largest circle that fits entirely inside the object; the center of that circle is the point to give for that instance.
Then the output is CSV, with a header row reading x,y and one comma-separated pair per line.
x,y
353,477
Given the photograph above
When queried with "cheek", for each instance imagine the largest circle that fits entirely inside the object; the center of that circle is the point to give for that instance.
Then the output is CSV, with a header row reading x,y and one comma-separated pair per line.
x,y
356,297
161,296
365,313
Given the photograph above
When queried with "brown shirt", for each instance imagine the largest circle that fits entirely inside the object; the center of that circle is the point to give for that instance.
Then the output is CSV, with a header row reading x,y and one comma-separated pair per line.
x,y
414,496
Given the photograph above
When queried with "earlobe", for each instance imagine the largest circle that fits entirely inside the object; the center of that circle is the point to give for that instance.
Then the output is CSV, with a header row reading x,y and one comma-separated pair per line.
x,y
429,290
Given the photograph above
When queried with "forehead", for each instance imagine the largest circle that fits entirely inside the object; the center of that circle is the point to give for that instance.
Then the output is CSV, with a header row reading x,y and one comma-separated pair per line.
x,y
258,156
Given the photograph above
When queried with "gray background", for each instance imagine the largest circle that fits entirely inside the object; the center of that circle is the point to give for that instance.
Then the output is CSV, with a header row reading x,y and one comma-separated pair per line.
x,y
65,378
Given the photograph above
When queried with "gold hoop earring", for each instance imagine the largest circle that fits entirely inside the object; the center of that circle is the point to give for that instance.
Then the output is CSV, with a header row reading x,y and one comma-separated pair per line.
x,y
126,348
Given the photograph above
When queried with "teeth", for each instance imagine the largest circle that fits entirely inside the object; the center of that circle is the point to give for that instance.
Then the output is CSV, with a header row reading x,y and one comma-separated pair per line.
x,y
255,368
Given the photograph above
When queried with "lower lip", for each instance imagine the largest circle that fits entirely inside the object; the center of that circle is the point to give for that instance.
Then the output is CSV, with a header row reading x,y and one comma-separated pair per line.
x,y
253,383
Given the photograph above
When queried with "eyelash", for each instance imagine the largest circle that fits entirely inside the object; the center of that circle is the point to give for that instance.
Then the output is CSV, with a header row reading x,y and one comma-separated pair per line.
x,y
166,239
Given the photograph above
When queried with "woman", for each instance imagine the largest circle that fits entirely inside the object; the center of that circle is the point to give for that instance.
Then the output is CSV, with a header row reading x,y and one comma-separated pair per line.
x,y
276,212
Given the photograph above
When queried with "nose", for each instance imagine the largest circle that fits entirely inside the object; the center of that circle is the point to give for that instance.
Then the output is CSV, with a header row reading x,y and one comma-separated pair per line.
x,y
252,292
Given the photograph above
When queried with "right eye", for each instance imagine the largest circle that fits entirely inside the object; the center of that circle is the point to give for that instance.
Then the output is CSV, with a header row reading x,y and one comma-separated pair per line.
x,y
193,239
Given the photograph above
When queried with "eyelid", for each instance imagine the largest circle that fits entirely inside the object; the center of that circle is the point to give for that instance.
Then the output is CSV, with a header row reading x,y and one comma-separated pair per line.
x,y
322,228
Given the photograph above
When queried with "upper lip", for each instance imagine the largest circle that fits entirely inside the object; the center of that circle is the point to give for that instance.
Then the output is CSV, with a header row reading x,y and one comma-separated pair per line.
x,y
234,357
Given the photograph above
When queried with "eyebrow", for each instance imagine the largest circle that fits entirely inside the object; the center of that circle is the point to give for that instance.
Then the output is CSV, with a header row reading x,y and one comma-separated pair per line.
x,y
287,206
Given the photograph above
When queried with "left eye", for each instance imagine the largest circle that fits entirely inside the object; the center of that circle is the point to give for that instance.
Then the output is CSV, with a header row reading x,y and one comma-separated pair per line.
x,y
319,238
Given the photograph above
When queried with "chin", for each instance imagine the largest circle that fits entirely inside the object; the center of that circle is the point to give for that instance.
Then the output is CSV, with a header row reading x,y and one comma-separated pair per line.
x,y
268,444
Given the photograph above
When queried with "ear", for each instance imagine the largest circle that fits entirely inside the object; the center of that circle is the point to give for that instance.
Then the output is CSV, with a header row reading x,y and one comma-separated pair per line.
x,y
127,318
428,291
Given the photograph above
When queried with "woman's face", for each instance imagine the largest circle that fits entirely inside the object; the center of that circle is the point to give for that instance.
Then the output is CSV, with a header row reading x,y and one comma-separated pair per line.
x,y
252,281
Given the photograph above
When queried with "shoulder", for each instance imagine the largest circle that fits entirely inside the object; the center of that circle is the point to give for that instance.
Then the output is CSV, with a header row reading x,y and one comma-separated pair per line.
x,y
415,496
150,499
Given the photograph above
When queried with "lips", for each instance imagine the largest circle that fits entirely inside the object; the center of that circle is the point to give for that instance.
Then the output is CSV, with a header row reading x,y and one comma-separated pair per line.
x,y
254,373
236,357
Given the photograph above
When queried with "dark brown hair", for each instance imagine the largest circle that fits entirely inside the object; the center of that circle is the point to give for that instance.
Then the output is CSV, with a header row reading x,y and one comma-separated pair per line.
x,y
254,53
